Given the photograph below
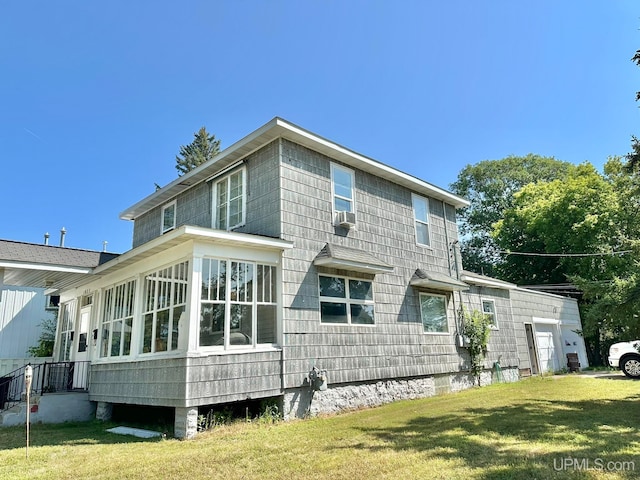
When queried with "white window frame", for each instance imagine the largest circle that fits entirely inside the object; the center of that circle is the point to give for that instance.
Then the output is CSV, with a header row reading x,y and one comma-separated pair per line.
x,y
214,188
420,221
166,207
267,296
493,314
66,321
335,167
347,300
118,305
170,292
446,313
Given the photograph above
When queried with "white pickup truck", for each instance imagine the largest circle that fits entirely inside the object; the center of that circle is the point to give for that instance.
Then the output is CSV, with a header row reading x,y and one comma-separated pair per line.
x,y
626,357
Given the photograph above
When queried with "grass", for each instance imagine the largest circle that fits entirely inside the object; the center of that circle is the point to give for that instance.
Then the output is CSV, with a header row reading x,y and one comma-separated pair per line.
x,y
526,430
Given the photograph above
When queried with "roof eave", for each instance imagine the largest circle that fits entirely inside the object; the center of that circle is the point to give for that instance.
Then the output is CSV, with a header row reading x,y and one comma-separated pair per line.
x,y
279,128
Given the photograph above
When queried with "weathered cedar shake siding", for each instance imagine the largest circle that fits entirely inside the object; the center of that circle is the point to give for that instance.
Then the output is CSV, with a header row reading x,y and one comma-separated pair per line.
x,y
396,345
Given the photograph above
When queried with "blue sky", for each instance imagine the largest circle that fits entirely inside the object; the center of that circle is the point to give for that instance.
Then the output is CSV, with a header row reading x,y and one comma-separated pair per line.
x,y
97,97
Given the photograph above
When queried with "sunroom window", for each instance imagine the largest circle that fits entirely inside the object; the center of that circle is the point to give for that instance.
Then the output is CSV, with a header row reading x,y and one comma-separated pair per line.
x,y
346,300
165,300
65,339
238,304
117,320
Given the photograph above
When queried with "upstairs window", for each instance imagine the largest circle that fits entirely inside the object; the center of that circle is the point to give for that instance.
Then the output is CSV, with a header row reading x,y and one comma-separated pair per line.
x,y
169,217
346,300
421,217
342,182
489,309
117,320
230,201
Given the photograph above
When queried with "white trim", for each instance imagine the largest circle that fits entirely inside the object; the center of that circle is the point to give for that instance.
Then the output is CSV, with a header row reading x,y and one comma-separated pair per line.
x,y
481,280
43,267
546,321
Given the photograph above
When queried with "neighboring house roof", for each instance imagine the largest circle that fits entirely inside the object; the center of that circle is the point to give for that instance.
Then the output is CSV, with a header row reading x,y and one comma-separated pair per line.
x,y
45,266
279,128
337,256
437,281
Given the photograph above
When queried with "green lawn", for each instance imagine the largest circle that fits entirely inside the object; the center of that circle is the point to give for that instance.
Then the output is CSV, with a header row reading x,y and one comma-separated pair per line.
x,y
552,427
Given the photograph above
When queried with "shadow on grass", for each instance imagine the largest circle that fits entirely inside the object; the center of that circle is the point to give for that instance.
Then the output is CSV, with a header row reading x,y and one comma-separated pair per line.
x,y
532,439
80,433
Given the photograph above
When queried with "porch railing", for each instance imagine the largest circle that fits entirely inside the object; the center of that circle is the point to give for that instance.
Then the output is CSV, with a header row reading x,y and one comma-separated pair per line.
x,y
48,377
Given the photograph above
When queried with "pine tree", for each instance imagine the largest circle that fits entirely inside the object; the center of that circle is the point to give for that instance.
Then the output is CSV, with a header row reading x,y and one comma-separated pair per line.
x,y
203,148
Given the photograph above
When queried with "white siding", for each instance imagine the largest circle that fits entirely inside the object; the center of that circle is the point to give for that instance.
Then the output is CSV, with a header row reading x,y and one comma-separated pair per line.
x,y
21,313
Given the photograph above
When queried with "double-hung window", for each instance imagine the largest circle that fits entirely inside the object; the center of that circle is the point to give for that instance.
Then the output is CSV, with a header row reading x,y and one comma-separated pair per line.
x,y
238,304
433,310
169,217
342,183
421,219
230,200
346,300
165,300
489,309
117,320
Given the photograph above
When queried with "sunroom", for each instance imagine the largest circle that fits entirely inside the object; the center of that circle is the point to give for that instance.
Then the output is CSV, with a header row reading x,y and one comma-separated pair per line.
x,y
156,321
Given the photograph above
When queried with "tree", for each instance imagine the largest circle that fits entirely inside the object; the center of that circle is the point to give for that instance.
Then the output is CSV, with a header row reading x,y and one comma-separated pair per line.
x,y
203,148
579,214
490,186
44,347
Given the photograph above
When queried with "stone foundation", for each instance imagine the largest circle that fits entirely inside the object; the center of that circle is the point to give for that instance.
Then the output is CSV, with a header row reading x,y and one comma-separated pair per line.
x,y
303,402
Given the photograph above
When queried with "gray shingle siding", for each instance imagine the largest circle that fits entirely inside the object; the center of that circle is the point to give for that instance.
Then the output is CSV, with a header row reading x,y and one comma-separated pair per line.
x,y
396,346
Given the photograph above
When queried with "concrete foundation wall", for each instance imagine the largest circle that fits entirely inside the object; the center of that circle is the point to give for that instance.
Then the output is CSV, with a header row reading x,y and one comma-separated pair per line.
x,y
51,408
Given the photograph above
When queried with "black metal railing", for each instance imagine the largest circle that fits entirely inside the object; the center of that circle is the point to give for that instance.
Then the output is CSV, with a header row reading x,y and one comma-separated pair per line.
x,y
48,377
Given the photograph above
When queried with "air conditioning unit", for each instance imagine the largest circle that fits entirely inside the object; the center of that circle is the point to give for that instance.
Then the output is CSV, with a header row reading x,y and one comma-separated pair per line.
x,y
347,219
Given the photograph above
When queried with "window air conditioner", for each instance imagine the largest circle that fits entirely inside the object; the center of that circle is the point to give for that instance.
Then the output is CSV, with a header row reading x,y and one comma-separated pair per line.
x,y
347,219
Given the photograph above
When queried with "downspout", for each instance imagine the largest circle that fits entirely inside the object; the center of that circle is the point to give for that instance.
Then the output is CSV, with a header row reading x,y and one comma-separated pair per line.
x,y
452,251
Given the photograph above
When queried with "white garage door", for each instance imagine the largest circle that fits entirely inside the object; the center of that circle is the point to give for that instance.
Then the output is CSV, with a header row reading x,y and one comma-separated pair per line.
x,y
546,348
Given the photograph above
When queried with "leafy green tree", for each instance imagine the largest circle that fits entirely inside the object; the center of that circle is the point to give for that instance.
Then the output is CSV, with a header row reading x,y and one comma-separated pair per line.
x,y
203,148
490,186
44,347
577,215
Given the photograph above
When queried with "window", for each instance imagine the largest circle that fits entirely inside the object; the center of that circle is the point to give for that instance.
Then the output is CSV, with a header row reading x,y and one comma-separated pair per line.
x,y
66,331
433,310
342,182
346,300
230,201
117,320
52,302
238,304
421,216
489,309
169,217
165,300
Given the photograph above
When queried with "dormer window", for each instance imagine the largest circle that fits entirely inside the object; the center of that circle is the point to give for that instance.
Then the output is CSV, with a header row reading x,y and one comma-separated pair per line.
x,y
230,200
169,217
